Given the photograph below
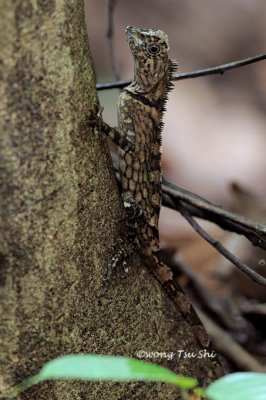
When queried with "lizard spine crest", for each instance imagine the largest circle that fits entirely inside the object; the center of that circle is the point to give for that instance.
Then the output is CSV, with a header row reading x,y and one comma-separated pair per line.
x,y
141,108
140,122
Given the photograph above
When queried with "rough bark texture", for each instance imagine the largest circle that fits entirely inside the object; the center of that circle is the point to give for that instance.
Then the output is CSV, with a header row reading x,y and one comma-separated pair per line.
x,y
60,215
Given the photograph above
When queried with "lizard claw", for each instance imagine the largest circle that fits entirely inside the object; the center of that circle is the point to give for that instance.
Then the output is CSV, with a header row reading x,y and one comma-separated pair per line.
x,y
122,255
125,267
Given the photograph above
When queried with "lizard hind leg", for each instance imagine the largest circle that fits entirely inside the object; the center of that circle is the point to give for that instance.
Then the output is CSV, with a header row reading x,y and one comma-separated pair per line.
x,y
134,214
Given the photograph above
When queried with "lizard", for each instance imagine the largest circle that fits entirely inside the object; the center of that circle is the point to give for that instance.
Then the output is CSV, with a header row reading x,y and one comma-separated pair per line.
x,y
141,107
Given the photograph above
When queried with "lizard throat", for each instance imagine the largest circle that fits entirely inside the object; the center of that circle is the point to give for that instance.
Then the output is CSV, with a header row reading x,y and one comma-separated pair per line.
x,y
152,83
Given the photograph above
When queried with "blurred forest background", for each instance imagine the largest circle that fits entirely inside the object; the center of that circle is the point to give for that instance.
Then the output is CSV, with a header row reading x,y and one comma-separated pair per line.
x,y
215,130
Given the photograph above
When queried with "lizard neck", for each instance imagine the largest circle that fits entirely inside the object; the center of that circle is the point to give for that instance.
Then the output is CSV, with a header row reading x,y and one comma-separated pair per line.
x,y
153,85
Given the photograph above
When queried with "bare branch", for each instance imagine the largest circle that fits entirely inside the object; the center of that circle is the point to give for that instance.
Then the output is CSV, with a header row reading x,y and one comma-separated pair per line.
x,y
227,346
220,69
113,85
202,208
110,36
205,298
218,246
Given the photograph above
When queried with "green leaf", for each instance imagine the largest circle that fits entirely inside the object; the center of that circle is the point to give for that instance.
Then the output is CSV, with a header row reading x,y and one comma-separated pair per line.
x,y
97,367
239,386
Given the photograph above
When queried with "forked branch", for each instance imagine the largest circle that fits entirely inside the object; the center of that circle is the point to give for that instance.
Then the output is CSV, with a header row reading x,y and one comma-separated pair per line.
x,y
202,208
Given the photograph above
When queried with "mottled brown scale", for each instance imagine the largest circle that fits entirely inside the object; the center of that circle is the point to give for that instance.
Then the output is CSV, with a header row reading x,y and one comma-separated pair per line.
x,y
140,108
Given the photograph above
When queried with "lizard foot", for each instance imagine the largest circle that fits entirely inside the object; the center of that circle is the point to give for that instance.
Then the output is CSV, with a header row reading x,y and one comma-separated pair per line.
x,y
121,256
134,210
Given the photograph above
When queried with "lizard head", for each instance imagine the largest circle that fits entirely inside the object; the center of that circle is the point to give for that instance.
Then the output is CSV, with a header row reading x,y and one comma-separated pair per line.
x,y
150,52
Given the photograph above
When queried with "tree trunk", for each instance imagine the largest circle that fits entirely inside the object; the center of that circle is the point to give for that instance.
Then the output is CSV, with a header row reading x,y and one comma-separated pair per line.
x,y
60,216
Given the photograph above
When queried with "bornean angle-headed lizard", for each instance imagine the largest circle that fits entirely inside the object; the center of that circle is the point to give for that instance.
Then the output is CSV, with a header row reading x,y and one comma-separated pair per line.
x,y
139,137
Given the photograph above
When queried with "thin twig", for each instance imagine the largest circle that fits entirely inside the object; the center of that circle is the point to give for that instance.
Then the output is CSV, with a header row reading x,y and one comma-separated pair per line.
x,y
219,307
249,307
110,37
220,69
202,208
218,246
227,346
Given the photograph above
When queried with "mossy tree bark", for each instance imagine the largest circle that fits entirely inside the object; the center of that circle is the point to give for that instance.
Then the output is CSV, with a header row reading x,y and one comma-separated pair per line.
x,y
60,215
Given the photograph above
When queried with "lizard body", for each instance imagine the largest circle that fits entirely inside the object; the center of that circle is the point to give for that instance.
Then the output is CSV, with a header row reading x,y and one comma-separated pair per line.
x,y
140,111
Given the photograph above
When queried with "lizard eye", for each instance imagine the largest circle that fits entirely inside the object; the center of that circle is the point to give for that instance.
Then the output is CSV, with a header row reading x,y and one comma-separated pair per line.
x,y
154,49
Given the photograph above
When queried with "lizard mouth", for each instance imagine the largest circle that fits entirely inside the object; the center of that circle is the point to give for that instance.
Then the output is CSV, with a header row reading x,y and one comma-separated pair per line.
x,y
130,33
130,37
133,39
